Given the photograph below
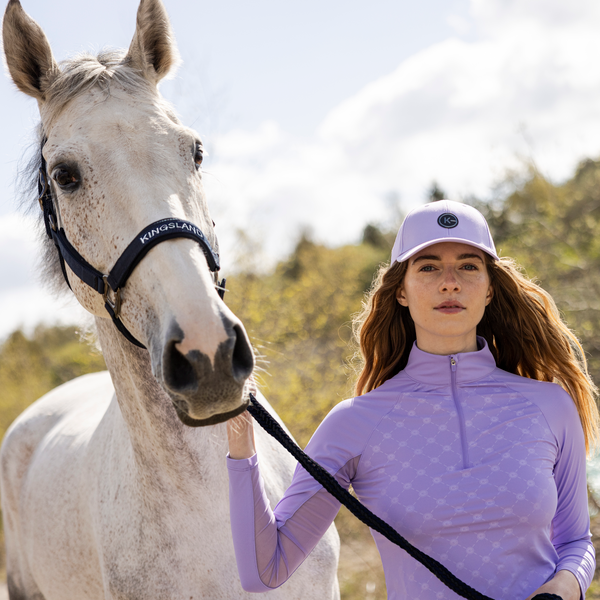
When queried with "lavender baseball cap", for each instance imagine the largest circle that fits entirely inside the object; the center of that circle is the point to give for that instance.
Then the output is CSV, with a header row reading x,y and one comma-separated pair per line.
x,y
442,221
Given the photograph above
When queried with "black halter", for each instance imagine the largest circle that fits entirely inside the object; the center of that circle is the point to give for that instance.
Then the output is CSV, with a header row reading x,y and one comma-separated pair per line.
x,y
150,236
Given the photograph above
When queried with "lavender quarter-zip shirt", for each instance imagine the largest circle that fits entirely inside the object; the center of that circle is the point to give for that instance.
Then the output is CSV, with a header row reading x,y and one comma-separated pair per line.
x,y
481,469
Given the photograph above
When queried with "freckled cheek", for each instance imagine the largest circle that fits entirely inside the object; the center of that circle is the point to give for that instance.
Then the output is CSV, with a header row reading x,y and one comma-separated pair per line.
x,y
420,316
476,291
420,303
86,296
420,295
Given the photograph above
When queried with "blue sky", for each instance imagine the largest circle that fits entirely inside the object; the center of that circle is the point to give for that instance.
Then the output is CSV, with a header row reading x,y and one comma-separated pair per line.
x,y
330,114
247,62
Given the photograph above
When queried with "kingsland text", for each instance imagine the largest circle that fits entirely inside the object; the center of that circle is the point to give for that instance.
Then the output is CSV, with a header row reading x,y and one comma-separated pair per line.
x,y
159,230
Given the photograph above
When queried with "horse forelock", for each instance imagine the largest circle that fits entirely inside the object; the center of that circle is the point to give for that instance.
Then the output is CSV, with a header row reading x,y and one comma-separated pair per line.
x,y
84,71
77,75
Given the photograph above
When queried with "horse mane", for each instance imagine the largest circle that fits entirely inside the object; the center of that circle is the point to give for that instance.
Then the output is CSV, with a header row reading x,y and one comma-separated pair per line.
x,y
77,75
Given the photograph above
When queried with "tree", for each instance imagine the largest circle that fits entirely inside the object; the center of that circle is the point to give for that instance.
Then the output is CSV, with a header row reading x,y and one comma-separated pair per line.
x,y
30,367
298,318
435,193
553,231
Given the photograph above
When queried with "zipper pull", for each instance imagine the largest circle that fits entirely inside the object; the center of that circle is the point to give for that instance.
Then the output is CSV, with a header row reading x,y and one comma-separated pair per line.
x,y
452,363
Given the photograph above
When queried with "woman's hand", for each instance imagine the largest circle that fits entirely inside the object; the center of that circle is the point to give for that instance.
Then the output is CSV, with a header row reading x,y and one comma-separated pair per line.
x,y
240,431
563,584
240,434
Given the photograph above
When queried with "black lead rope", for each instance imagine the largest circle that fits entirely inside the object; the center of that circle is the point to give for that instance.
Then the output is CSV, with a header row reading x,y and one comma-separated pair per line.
x,y
361,512
161,231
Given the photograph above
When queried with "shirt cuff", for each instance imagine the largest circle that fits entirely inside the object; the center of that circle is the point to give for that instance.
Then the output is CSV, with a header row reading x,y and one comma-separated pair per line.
x,y
243,464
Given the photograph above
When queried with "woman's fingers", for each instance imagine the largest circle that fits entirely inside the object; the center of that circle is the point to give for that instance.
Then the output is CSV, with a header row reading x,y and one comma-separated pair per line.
x,y
240,434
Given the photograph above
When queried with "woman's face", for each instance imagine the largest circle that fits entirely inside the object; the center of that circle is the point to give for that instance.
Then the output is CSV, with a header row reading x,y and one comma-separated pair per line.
x,y
446,289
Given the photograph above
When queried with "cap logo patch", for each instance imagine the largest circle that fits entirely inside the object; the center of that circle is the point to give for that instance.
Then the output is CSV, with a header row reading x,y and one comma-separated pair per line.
x,y
447,221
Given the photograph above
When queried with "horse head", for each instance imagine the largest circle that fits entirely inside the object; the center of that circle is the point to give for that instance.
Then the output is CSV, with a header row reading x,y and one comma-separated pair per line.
x,y
118,159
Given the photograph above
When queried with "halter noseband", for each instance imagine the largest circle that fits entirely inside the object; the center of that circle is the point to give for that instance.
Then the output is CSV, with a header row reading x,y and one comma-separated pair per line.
x,y
150,236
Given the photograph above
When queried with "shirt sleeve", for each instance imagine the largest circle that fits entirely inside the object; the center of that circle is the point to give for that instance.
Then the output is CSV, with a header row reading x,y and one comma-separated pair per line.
x,y
269,547
271,544
571,535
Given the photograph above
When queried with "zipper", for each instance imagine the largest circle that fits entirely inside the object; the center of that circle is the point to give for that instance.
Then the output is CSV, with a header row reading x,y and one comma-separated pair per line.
x,y
460,413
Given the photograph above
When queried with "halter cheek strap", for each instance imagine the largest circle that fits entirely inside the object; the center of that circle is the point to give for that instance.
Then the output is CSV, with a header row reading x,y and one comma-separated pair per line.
x,y
111,284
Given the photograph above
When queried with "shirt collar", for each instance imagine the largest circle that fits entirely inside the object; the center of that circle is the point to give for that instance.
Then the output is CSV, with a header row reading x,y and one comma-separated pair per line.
x,y
437,369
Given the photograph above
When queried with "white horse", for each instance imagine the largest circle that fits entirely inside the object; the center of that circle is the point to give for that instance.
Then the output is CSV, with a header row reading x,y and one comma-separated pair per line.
x,y
106,490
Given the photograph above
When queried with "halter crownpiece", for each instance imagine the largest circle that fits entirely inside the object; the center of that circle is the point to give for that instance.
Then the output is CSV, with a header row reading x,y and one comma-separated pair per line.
x,y
105,284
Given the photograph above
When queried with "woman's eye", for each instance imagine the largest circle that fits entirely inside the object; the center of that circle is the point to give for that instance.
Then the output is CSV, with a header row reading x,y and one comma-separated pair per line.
x,y
198,154
470,267
66,178
427,268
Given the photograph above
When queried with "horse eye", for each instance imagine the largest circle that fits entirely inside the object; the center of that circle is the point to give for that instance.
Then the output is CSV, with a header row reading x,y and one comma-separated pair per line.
x,y
66,177
198,154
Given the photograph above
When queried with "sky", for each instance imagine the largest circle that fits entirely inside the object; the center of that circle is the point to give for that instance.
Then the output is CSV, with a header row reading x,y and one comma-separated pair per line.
x,y
325,115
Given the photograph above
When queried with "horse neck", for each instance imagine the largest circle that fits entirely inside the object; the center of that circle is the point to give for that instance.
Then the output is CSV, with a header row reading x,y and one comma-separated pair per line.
x,y
162,446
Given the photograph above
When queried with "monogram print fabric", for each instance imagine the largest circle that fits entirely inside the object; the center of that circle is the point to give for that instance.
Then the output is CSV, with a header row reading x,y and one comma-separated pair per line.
x,y
481,469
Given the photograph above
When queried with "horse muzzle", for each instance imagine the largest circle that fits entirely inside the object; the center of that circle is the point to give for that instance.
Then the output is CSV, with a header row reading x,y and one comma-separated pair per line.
x,y
204,391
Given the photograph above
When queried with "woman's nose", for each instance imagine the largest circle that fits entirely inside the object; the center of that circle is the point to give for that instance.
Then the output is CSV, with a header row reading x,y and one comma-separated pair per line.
x,y
450,281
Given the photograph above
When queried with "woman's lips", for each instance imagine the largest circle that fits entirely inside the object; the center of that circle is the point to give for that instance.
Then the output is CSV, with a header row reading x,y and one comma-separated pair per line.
x,y
450,307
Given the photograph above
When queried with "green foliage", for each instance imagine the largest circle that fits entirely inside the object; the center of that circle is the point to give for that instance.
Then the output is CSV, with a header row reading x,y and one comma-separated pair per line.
x,y
554,232
373,236
299,319
30,367
435,193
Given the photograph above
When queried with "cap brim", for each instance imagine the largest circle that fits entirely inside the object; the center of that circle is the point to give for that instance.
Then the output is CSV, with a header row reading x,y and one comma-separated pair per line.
x,y
420,247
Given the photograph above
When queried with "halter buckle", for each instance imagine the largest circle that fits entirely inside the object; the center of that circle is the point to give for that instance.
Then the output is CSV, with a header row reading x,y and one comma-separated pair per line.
x,y
220,285
116,305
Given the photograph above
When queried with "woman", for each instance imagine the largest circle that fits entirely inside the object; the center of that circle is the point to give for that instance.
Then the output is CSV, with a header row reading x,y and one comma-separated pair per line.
x,y
468,434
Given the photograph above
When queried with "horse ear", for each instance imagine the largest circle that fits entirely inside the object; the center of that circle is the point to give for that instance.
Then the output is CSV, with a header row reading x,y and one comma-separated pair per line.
x,y
153,49
28,54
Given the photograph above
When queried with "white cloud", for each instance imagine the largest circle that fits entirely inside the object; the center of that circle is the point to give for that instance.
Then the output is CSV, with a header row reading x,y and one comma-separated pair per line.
x,y
17,247
23,302
459,24
27,306
501,15
461,112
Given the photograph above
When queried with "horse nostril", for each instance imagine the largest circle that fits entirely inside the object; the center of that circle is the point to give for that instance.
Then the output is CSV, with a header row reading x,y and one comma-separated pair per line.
x,y
195,373
178,372
242,361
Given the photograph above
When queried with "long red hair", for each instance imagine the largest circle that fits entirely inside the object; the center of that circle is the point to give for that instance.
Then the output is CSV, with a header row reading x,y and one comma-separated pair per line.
x,y
522,326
